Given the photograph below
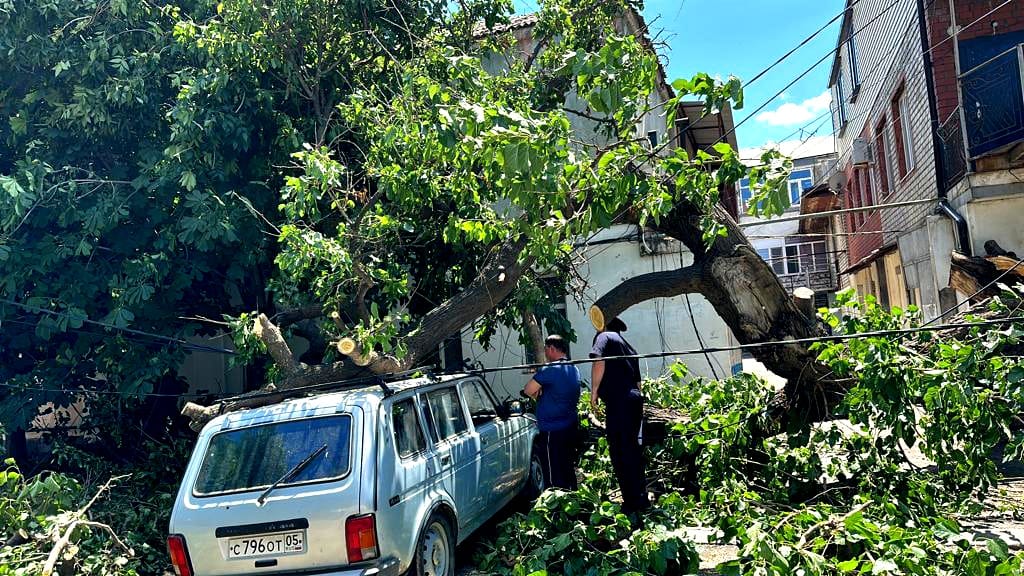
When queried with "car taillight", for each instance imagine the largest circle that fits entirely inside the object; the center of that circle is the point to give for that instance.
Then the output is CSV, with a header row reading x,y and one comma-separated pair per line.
x,y
361,538
179,555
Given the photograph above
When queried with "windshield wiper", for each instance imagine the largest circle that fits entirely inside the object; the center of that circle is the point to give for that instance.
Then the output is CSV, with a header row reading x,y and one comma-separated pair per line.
x,y
291,473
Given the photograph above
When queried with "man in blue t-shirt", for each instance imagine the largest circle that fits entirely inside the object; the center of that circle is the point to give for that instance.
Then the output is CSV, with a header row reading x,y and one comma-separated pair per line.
x,y
556,388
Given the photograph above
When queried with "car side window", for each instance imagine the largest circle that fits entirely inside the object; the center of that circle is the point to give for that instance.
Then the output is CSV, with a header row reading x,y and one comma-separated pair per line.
x,y
481,407
406,424
446,412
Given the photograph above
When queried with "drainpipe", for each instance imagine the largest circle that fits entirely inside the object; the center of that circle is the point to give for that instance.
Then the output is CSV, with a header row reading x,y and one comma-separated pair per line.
x,y
944,208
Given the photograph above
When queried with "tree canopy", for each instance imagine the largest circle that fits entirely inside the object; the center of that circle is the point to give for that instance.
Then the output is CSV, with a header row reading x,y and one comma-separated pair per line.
x,y
373,177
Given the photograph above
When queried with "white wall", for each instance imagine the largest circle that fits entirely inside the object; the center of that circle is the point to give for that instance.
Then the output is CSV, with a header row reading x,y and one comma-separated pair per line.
x,y
661,325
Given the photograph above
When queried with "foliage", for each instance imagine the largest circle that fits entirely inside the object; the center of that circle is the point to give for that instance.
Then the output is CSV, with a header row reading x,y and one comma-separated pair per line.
x,y
581,532
35,511
840,497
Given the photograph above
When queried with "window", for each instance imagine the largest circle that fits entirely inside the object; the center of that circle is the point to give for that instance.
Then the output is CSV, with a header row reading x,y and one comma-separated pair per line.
x,y
853,199
851,48
799,182
885,184
746,194
840,102
778,260
481,407
652,137
901,133
446,413
257,456
764,254
865,191
682,125
406,424
792,259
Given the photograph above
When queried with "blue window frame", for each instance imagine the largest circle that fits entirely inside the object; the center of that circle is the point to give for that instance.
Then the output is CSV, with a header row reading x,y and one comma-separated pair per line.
x,y
799,182
745,194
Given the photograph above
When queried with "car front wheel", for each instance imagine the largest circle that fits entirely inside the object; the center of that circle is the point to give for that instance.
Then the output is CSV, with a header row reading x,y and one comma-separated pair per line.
x,y
435,551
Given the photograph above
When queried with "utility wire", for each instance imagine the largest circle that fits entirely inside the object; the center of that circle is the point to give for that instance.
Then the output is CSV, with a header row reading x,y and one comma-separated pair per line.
x,y
806,72
801,44
161,337
754,346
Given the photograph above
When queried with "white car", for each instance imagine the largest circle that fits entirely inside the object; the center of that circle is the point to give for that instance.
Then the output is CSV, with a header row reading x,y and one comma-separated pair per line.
x,y
378,479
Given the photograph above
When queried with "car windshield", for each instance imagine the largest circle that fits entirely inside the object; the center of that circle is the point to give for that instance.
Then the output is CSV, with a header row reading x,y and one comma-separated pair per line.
x,y
256,457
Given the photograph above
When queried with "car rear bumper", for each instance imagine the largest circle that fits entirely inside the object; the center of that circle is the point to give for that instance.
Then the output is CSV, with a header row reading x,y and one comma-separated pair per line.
x,y
382,567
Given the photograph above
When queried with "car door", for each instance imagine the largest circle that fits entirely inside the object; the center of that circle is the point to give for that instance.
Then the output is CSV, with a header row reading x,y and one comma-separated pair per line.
x,y
495,470
407,470
457,450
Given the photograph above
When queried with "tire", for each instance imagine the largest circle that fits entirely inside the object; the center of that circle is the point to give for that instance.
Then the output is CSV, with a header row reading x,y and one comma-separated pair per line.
x,y
535,480
435,549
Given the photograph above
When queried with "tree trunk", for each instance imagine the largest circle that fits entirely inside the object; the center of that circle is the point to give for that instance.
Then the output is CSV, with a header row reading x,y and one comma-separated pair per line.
x,y
749,297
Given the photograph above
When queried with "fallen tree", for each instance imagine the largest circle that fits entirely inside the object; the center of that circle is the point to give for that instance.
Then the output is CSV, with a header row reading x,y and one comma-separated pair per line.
x,y
469,184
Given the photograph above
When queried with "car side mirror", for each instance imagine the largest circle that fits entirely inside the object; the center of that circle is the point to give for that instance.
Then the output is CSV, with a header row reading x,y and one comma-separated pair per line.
x,y
510,408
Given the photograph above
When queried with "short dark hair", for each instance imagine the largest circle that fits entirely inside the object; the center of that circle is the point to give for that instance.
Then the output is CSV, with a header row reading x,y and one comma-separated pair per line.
x,y
615,325
558,343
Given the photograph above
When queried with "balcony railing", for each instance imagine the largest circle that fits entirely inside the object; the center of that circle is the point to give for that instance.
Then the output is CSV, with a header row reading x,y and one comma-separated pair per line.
x,y
954,162
993,100
806,264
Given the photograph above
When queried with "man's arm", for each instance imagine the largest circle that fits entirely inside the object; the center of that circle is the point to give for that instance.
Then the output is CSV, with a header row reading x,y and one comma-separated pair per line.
x,y
596,373
532,389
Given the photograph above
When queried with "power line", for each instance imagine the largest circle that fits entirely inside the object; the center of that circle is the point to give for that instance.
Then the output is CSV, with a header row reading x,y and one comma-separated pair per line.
x,y
754,346
806,72
184,343
103,392
802,43
812,216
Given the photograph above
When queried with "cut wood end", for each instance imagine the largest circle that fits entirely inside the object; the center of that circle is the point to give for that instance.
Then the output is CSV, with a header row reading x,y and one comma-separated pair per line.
x,y
596,317
257,325
804,293
346,346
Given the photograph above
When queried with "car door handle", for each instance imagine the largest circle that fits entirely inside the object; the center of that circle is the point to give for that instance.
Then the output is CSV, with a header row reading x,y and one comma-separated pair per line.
x,y
446,459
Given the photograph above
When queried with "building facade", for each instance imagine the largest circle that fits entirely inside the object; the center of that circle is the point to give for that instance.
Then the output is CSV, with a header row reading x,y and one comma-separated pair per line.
x,y
928,111
800,258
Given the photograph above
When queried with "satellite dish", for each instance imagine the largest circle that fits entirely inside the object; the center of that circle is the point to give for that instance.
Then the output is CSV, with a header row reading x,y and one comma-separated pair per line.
x,y
837,182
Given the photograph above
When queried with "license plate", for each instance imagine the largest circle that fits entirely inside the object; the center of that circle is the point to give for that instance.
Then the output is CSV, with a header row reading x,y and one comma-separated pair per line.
x,y
277,544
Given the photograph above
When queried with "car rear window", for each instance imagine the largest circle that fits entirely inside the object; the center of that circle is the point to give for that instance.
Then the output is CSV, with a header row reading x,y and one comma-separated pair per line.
x,y
256,457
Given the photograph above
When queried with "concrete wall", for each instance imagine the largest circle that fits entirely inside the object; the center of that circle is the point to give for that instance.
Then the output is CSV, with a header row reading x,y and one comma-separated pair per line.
x,y
654,326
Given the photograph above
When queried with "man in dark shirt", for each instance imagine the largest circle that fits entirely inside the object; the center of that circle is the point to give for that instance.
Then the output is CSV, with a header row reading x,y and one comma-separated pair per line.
x,y
556,388
616,382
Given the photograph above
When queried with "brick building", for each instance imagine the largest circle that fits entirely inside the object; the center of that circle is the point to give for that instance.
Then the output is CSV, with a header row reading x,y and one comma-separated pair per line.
x,y
928,114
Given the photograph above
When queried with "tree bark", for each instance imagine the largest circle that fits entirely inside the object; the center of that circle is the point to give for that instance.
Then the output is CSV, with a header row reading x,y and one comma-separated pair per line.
x,y
535,335
749,297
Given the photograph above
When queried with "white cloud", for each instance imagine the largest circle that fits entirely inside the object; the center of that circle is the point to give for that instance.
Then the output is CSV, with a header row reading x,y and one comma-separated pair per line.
x,y
797,148
791,114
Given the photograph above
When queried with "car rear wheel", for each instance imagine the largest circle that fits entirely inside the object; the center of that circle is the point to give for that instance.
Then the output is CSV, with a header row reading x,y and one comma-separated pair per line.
x,y
435,551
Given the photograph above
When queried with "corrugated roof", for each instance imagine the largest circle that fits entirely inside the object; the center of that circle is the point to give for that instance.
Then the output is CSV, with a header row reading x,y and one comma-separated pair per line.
x,y
515,23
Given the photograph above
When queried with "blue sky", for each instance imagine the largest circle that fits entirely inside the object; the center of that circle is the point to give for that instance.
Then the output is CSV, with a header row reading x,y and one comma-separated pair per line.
x,y
742,37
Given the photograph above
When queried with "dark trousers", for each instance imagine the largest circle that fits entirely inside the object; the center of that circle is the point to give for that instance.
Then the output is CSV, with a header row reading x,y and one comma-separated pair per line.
x,y
622,426
558,457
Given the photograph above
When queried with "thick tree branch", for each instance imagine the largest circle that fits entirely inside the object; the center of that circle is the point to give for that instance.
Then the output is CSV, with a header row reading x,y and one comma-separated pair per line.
x,y
278,349
689,280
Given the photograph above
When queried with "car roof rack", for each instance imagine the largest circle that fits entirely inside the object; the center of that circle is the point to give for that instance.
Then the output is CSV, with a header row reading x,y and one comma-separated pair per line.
x,y
381,380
